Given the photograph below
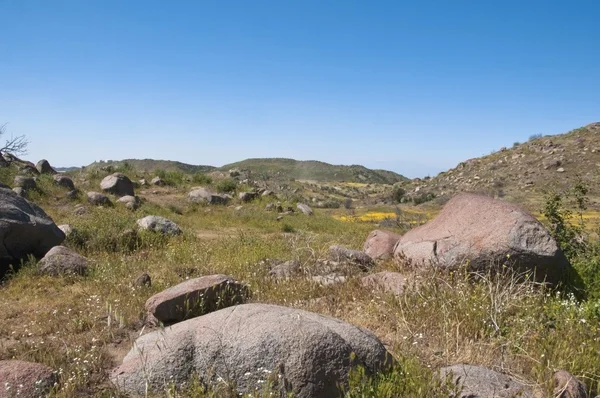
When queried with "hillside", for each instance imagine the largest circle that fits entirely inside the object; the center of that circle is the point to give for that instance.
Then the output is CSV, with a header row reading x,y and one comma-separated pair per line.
x,y
282,168
146,165
526,170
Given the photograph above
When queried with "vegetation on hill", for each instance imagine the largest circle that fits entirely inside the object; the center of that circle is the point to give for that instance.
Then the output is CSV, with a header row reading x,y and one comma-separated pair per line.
x,y
290,169
146,165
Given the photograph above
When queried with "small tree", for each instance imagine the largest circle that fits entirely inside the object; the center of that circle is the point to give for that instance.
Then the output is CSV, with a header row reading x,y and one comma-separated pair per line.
x,y
14,145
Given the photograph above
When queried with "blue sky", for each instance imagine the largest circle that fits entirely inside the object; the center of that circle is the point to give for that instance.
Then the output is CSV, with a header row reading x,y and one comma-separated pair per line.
x,y
415,87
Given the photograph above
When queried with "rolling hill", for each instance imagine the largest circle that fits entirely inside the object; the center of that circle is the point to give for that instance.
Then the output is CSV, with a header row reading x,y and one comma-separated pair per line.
x,y
281,168
148,165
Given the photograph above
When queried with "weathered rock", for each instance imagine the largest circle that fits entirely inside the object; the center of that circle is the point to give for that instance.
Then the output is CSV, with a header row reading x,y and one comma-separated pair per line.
x,y
285,270
480,382
487,233
355,257
195,297
159,224
143,182
62,260
312,353
64,181
25,379
98,199
118,184
80,210
567,386
247,196
43,167
270,207
143,280
20,191
66,228
267,193
157,181
380,244
304,209
329,279
25,229
386,281
203,195
25,182
72,194
131,202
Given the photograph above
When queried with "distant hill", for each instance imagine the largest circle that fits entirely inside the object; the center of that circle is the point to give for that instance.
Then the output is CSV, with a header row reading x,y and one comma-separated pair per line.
x,y
148,165
281,168
525,170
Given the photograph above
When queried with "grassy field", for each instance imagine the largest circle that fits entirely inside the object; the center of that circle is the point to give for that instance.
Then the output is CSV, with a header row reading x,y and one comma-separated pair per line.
x,y
83,326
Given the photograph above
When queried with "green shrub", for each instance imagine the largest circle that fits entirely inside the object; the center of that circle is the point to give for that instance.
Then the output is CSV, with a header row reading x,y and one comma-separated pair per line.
x,y
226,185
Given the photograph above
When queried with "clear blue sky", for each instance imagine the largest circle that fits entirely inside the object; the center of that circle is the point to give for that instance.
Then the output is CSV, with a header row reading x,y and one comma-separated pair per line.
x,y
415,86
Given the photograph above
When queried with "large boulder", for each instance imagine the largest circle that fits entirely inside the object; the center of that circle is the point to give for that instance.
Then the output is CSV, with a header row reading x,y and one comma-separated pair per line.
x,y
25,229
25,379
380,244
479,382
159,224
64,181
195,297
62,260
486,234
203,195
118,184
309,354
43,167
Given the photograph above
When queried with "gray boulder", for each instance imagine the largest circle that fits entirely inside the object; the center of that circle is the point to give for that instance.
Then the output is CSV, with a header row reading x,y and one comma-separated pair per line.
x,y
130,202
43,167
159,225
64,181
305,209
117,184
380,244
479,382
348,256
25,182
568,386
62,260
157,181
285,270
309,354
386,281
247,196
25,379
487,233
25,229
203,195
195,297
98,199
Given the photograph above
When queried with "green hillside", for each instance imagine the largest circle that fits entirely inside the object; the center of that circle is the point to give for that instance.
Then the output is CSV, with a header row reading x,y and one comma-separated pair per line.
x,y
146,165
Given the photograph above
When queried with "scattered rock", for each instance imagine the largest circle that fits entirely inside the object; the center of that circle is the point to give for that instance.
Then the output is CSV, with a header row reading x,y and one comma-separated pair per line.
x,y
380,244
285,270
567,386
355,257
25,182
143,182
64,181
143,280
267,193
386,281
62,260
195,297
98,199
489,233
25,229
238,208
480,382
43,167
118,184
157,181
79,210
270,207
66,228
159,224
309,354
203,195
72,194
130,202
304,209
329,280
247,196
560,170
25,379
